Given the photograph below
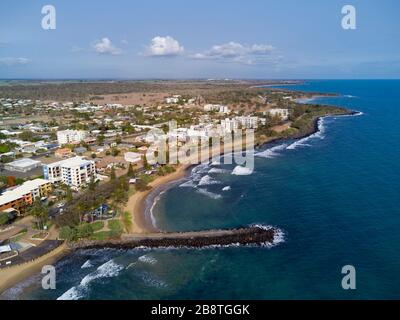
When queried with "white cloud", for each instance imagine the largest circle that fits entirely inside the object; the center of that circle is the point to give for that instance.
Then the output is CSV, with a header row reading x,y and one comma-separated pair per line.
x,y
164,46
105,46
12,61
237,52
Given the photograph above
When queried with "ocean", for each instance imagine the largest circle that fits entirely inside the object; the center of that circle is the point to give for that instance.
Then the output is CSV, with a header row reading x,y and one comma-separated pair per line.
x,y
335,196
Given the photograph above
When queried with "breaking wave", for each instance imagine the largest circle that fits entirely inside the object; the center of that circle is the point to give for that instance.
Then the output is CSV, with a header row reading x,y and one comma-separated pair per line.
x,y
217,170
147,259
86,265
71,294
279,235
188,184
317,135
209,194
107,270
271,152
207,180
242,171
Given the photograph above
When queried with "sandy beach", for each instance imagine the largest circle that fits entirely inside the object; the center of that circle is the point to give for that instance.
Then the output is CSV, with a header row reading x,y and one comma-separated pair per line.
x,y
136,203
13,275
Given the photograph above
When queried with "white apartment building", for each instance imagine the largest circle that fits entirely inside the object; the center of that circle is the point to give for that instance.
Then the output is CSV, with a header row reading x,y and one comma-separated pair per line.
x,y
229,125
247,122
173,99
71,136
74,172
216,107
244,122
278,112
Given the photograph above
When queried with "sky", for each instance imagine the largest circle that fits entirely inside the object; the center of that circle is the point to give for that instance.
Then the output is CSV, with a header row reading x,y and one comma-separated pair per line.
x,y
181,39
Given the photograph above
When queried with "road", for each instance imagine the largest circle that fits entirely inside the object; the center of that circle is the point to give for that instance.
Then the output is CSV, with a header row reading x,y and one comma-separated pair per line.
x,y
33,253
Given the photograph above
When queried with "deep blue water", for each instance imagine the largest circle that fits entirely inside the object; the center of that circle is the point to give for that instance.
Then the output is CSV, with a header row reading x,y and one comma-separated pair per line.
x,y
335,196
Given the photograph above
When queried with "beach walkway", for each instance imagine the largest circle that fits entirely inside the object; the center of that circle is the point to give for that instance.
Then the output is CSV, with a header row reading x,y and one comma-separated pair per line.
x,y
32,254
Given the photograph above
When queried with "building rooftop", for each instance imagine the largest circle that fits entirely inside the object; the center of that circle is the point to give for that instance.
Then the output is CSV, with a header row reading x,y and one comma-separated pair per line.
x,y
72,162
23,163
21,190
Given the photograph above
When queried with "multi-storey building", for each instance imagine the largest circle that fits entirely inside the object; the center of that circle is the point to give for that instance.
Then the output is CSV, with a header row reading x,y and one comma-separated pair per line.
x,y
71,136
278,112
247,122
74,172
24,195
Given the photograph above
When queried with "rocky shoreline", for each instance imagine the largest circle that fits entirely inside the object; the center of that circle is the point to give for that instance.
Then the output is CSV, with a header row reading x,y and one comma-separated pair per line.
x,y
253,235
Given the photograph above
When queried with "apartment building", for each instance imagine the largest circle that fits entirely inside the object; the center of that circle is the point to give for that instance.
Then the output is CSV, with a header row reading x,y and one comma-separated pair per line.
x,y
74,172
216,107
247,122
24,195
244,122
278,112
71,136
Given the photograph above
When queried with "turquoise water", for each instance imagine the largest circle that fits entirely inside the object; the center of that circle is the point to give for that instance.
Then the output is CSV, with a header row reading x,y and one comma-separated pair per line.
x,y
335,196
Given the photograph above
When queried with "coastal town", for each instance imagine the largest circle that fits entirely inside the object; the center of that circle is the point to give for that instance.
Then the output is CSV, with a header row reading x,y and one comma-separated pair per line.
x,y
79,169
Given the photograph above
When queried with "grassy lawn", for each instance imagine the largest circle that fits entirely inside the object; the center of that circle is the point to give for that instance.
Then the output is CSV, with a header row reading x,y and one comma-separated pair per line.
x,y
115,226
114,232
97,226
101,235
127,220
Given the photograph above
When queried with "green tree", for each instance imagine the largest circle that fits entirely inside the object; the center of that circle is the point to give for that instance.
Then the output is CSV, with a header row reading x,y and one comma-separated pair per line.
x,y
40,212
68,233
112,174
115,152
85,230
100,139
130,173
92,184
145,163
3,218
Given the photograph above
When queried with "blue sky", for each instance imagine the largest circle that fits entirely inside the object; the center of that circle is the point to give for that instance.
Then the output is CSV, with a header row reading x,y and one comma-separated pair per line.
x,y
200,39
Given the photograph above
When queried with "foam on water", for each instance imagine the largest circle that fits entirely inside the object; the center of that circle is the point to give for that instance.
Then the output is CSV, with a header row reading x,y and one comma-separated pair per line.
x,y
217,170
107,270
271,152
209,194
207,180
279,235
242,171
71,294
227,188
86,265
147,259
150,280
188,184
317,135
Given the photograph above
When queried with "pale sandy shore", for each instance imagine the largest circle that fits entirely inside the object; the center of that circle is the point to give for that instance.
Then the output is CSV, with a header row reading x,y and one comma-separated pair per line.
x,y
14,275
136,203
